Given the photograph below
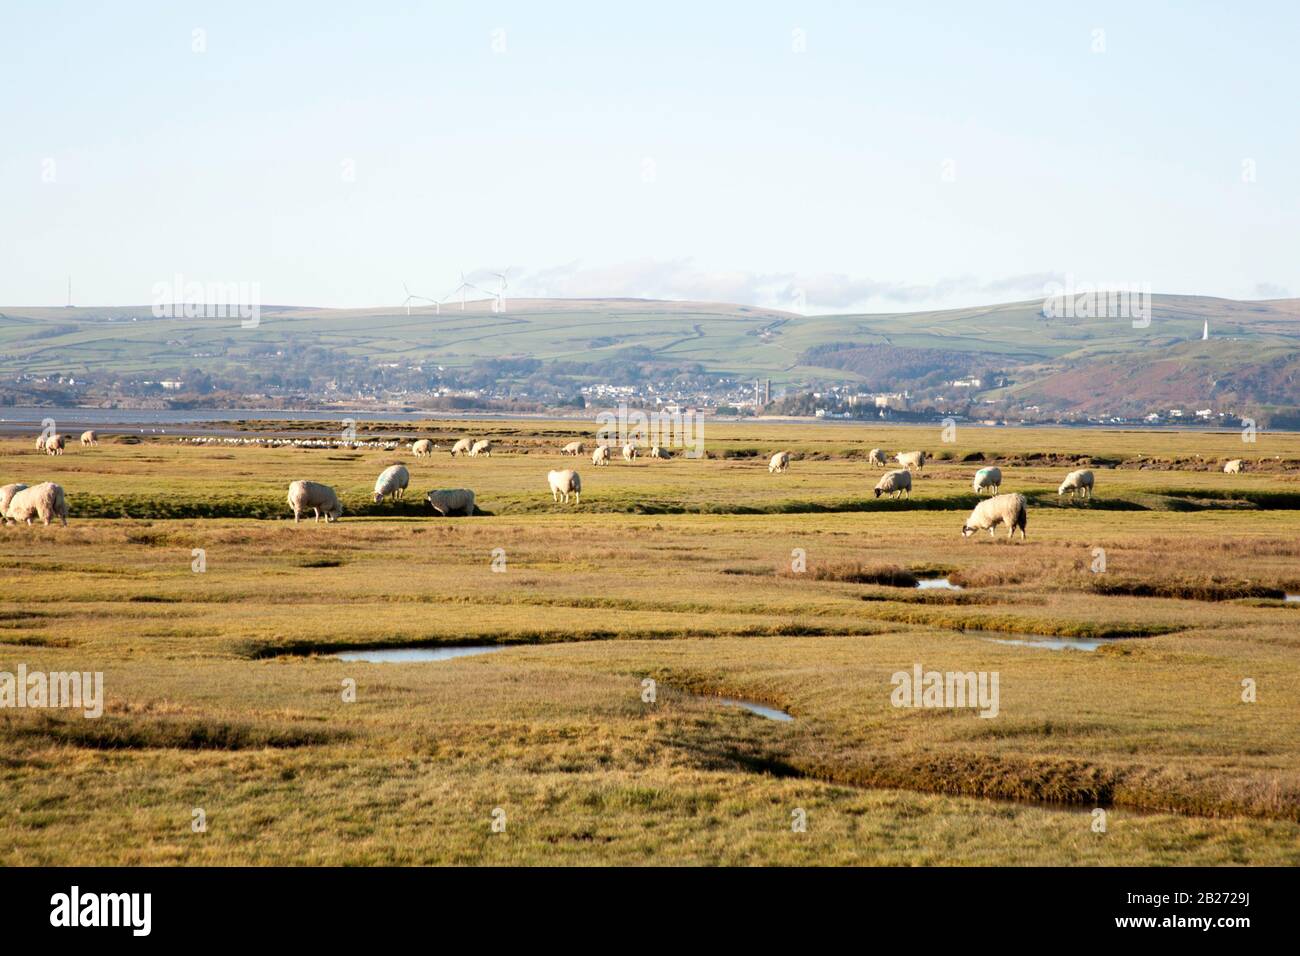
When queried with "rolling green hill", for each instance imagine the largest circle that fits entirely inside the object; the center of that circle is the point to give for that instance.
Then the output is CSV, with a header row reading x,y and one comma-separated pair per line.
x,y
1252,352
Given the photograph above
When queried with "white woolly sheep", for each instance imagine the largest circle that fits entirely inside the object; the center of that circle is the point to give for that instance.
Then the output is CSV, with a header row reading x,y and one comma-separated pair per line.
x,y
574,448
565,483
778,462
911,459
877,459
1009,510
6,495
629,452
44,501
659,451
895,483
90,437
601,455
392,481
462,447
1077,481
1234,467
40,442
990,478
54,444
319,498
483,447
422,447
451,501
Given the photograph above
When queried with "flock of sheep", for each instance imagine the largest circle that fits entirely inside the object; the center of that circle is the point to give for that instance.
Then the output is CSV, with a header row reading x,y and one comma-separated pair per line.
x,y
46,501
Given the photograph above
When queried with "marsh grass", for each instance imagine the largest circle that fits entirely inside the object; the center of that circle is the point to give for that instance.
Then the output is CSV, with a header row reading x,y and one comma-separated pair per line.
x,y
221,690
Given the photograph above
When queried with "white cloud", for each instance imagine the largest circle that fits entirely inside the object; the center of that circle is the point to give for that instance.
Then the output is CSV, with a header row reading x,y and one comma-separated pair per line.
x,y
681,279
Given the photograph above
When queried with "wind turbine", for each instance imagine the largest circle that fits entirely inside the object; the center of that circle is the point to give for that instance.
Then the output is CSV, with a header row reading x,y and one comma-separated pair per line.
x,y
462,289
410,297
500,304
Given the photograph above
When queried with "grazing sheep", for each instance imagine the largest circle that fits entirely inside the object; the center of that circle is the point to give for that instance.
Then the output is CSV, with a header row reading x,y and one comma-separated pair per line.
x,y
319,498
574,448
422,447
44,501
895,483
659,451
1234,467
462,447
1009,510
54,444
40,442
392,481
90,437
1080,481
601,455
6,495
877,459
564,483
629,452
911,459
990,478
451,501
779,462
483,447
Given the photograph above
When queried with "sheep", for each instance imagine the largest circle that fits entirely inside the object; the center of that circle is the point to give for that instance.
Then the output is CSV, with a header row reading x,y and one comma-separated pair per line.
x,y
564,483
44,501
54,444
90,437
483,447
629,452
1080,481
895,483
451,501
462,447
1000,509
911,459
40,441
6,495
392,481
1234,467
601,455
779,462
319,498
659,451
990,478
574,448
877,459
422,447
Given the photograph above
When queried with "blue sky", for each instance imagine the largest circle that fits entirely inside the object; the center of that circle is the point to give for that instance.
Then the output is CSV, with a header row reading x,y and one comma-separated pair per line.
x,y
888,157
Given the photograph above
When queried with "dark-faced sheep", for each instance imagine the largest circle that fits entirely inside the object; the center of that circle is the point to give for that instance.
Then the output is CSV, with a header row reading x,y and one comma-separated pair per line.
x,y
895,483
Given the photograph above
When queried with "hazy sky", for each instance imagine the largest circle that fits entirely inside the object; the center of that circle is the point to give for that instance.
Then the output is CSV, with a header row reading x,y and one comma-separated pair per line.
x,y
875,156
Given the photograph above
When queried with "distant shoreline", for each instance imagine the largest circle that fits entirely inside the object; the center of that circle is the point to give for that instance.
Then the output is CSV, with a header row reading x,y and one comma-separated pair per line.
x,y
26,419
